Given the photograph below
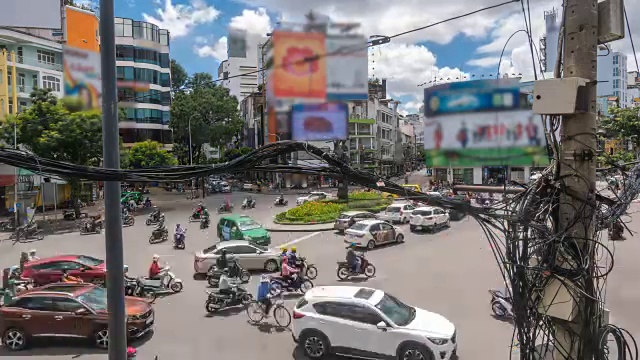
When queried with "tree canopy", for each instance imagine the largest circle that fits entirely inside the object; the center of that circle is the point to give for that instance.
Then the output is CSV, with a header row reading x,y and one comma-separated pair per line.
x,y
149,154
179,76
623,123
212,112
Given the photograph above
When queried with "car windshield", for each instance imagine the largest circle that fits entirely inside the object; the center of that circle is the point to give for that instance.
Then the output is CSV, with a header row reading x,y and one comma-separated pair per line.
x,y
393,209
401,314
89,261
261,248
423,212
359,227
344,216
96,298
248,225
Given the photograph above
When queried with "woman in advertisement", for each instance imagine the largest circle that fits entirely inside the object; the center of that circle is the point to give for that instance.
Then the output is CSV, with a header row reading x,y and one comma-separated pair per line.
x,y
437,136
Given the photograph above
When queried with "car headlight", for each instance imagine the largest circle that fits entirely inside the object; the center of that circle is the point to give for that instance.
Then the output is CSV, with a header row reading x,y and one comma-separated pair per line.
x,y
438,341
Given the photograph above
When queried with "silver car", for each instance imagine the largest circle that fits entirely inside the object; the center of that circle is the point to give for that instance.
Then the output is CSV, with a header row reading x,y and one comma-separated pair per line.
x,y
249,255
347,219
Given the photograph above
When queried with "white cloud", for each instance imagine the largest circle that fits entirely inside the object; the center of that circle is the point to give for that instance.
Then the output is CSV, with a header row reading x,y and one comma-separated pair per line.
x,y
180,19
131,3
252,21
217,51
489,61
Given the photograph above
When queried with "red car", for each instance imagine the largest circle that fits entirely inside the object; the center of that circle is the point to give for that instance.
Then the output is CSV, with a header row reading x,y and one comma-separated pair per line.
x,y
50,270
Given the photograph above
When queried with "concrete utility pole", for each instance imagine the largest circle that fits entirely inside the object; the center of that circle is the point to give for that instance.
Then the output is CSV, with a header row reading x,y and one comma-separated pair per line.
x,y
578,169
111,159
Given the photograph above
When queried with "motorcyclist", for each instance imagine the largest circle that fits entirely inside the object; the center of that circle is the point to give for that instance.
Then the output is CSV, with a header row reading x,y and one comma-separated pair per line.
x,y
126,274
280,199
227,285
147,202
284,252
155,214
155,268
180,233
226,206
352,258
68,278
293,256
233,267
289,273
264,294
32,255
158,229
221,261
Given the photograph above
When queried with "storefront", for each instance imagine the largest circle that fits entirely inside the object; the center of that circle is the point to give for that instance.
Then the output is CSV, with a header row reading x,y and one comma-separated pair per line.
x,y
463,176
494,175
441,174
517,174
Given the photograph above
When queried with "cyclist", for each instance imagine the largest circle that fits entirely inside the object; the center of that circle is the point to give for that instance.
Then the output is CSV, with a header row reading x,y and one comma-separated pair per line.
x,y
264,294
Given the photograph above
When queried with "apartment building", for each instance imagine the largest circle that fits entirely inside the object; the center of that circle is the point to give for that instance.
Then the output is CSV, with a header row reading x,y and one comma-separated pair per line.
x,y
144,81
244,56
612,76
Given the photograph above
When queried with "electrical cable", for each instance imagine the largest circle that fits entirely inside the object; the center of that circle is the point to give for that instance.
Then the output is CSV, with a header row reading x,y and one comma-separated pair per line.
x,y
633,47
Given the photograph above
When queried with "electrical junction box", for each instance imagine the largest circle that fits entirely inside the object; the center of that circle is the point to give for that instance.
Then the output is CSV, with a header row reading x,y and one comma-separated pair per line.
x,y
560,96
610,21
558,300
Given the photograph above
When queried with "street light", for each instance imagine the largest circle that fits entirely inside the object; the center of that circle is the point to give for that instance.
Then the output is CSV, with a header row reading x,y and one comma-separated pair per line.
x,y
191,151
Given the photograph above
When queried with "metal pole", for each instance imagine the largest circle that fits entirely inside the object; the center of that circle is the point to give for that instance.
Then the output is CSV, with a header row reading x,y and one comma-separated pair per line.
x,y
15,185
111,159
578,169
191,153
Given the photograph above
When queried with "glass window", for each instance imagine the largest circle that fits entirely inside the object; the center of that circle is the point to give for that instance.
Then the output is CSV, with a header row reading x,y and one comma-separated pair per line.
x,y
89,260
119,29
615,60
34,81
165,62
37,303
398,312
51,82
96,298
386,227
164,37
165,79
128,28
67,305
350,312
69,265
124,53
46,57
166,116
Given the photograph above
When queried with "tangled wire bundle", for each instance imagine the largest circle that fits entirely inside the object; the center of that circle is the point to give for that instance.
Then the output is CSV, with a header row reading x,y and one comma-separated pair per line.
x,y
530,249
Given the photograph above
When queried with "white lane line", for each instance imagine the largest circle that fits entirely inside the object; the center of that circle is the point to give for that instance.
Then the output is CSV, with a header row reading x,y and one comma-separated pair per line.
x,y
299,239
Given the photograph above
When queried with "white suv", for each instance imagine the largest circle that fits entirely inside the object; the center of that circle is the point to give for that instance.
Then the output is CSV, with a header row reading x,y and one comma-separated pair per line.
x,y
369,324
428,218
397,213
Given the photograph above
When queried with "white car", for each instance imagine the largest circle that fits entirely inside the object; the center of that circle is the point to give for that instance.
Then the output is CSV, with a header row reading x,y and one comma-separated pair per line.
x,y
247,186
314,196
250,256
371,233
367,323
428,218
224,187
397,213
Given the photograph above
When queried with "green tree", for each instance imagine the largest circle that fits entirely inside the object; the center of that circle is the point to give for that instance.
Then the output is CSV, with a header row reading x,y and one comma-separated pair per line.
x,y
624,123
149,154
617,158
211,112
179,76
51,131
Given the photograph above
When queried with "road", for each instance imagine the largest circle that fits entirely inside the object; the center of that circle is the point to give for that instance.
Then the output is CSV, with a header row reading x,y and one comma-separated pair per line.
x,y
448,272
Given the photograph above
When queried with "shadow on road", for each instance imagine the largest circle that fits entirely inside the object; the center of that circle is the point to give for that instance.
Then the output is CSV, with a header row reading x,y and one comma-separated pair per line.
x,y
298,354
228,311
268,328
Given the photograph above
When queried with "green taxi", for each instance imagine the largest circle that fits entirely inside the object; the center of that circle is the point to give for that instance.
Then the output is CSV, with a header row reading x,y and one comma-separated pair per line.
x,y
242,227
131,195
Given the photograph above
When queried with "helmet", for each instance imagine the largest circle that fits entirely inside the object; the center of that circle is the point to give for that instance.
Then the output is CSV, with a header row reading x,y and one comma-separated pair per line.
x,y
354,245
156,257
126,268
283,248
32,252
294,249
223,252
225,272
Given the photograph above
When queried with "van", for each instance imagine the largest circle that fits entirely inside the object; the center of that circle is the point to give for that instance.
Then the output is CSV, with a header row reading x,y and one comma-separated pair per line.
x,y
242,227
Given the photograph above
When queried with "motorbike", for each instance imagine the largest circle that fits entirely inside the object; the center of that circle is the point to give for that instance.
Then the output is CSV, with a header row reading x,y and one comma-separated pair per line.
x,y
280,285
128,220
154,218
225,209
134,287
158,235
167,282
204,223
248,204
213,276
147,204
29,231
179,241
366,268
9,225
87,228
501,304
69,215
217,301
309,270
196,216
281,202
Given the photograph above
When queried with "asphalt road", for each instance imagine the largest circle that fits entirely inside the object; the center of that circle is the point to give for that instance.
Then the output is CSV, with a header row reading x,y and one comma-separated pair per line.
x,y
448,272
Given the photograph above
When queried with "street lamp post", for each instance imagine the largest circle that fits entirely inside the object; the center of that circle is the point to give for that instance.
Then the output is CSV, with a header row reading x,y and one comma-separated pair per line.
x,y
191,151
285,157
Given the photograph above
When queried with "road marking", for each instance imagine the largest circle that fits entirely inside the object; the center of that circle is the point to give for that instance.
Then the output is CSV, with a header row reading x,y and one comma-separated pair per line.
x,y
299,239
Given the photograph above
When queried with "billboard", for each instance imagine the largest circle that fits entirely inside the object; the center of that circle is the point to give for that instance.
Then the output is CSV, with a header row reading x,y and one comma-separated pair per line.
x,y
237,43
347,68
318,122
299,65
83,77
37,14
483,122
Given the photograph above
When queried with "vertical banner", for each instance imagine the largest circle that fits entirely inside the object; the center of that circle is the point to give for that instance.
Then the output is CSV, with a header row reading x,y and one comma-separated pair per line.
x,y
83,77
484,122
299,65
347,68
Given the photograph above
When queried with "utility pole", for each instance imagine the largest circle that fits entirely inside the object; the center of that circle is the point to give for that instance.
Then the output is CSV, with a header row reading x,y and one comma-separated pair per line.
x,y
578,171
111,159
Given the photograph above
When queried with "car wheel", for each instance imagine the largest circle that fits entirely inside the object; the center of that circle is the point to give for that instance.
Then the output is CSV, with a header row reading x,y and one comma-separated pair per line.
x,y
400,238
270,266
101,338
371,244
415,352
314,344
14,339
412,228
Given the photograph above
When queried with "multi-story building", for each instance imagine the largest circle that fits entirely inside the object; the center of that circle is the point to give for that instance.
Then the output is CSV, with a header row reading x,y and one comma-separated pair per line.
x,y
633,88
549,43
144,81
81,29
363,128
612,75
244,55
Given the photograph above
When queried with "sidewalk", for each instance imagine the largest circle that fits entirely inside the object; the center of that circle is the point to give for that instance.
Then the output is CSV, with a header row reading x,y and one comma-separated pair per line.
x,y
299,228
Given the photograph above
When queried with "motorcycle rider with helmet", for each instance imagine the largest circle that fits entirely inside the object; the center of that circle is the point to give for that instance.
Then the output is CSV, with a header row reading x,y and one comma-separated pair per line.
x,y
155,214
264,294
293,257
353,260
233,267
222,262
147,202
155,269
280,199
284,252
32,255
180,233
227,285
289,273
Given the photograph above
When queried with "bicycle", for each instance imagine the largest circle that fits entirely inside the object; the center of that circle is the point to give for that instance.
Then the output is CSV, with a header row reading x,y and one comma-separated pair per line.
x,y
282,316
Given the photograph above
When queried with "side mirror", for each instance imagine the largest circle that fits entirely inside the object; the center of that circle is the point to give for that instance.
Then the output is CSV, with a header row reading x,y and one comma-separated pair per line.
x,y
81,311
382,326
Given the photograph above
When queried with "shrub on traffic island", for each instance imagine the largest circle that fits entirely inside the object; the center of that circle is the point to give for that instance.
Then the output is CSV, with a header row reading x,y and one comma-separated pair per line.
x,y
327,211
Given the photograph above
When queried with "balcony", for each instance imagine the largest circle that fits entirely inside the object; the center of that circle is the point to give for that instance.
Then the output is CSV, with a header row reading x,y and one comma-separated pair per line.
x,y
360,119
21,60
23,90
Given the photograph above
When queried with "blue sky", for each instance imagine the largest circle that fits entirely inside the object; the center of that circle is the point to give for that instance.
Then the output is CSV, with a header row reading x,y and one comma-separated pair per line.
x,y
458,48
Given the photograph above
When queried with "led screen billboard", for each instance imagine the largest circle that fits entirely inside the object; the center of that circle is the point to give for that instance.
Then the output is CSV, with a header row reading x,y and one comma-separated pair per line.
x,y
318,122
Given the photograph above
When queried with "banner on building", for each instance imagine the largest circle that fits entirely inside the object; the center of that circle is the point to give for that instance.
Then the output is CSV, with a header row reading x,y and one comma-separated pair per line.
x,y
319,122
299,65
347,68
484,122
83,77
237,43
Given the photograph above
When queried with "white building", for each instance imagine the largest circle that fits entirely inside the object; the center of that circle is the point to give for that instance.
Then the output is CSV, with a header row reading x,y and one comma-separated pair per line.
x,y
144,81
612,75
633,88
244,55
29,62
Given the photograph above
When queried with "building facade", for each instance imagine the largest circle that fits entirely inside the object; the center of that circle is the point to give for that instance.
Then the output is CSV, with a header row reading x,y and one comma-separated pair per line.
x,y
244,55
81,29
144,81
612,75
